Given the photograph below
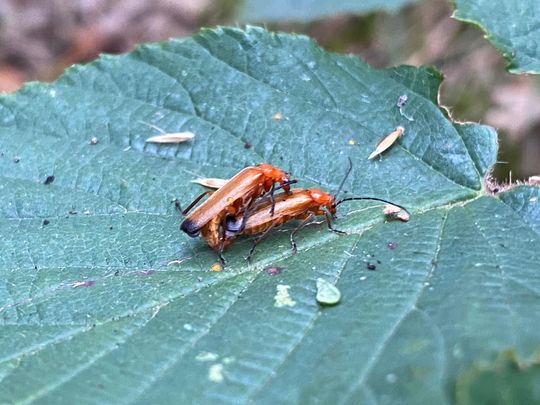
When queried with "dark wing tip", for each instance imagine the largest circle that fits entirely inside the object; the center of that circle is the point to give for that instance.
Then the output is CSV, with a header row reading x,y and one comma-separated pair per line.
x,y
190,228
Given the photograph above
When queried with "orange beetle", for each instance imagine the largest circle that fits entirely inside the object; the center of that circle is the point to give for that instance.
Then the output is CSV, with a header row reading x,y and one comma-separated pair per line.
x,y
302,204
238,193
235,196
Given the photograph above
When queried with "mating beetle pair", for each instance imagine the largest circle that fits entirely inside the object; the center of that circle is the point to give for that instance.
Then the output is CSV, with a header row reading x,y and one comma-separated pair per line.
x,y
246,204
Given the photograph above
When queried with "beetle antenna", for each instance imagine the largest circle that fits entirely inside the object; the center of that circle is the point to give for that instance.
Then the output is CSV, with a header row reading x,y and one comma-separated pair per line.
x,y
373,199
347,172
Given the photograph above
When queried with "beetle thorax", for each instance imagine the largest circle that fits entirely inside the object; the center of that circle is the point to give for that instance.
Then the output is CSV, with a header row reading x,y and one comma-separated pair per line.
x,y
273,174
321,198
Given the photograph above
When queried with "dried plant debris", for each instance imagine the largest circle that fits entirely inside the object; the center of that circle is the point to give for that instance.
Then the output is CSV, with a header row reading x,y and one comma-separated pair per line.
x,y
402,100
387,142
176,137
210,182
393,212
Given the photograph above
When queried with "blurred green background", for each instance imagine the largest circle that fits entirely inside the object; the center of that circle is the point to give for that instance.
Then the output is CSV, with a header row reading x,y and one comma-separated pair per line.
x,y
39,38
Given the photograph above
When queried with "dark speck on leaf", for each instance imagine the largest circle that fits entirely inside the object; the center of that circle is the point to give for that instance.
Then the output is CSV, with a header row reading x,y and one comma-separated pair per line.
x,y
72,211
16,159
117,273
371,266
48,180
392,245
402,100
46,222
247,145
110,227
273,271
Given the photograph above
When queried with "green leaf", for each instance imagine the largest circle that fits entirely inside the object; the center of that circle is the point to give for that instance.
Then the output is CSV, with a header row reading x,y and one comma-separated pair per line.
x,y
93,310
504,381
512,26
308,10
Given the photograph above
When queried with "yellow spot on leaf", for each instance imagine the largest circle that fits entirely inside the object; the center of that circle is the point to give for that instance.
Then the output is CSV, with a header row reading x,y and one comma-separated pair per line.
x,y
277,116
217,267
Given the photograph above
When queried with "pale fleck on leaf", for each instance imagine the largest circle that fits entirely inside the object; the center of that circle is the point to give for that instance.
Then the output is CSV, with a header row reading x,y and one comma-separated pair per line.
x,y
327,293
207,356
282,297
176,137
387,142
277,116
210,182
177,261
215,373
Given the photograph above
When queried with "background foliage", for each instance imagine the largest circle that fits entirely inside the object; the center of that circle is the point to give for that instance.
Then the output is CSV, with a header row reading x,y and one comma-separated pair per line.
x,y
39,38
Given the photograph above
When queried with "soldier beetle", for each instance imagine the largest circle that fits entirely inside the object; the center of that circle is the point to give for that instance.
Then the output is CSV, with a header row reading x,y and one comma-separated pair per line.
x,y
214,231
300,204
239,191
232,198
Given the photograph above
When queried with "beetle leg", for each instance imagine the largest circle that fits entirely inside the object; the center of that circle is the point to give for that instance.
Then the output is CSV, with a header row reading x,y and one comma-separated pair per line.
x,y
302,224
279,187
273,199
177,205
222,259
193,203
247,209
222,241
257,241
329,223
